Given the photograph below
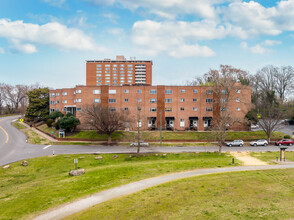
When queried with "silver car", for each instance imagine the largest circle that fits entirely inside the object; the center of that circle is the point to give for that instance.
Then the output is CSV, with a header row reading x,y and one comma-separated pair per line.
x,y
239,143
259,143
142,144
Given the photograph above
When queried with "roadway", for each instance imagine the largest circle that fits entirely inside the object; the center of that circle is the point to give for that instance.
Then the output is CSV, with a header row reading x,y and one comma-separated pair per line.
x,y
13,146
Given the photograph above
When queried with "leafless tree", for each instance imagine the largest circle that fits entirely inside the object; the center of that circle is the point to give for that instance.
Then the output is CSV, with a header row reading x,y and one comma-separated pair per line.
x,y
104,120
225,82
284,81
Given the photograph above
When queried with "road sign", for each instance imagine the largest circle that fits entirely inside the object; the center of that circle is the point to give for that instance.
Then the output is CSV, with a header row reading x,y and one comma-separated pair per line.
x,y
21,120
76,160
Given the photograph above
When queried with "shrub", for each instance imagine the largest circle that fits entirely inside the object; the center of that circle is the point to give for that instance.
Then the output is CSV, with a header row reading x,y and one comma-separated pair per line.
x,y
287,136
49,122
69,123
56,125
56,114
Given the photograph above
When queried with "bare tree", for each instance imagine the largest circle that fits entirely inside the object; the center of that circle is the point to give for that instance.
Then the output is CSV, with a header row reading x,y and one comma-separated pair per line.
x,y
284,81
225,82
104,120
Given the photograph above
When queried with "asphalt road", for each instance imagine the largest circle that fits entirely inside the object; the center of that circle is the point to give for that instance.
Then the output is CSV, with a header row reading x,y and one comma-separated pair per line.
x,y
13,146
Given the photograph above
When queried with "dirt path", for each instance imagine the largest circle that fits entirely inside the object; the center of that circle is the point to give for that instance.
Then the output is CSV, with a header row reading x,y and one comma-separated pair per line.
x,y
247,159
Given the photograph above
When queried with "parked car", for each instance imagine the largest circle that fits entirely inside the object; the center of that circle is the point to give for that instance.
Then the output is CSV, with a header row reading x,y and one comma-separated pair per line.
x,y
235,143
259,143
142,144
253,126
284,142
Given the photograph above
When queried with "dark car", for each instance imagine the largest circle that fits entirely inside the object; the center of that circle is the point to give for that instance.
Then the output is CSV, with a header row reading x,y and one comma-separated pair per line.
x,y
284,142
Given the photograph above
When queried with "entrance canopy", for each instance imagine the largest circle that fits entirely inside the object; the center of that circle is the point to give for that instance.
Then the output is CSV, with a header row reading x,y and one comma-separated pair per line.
x,y
170,118
193,118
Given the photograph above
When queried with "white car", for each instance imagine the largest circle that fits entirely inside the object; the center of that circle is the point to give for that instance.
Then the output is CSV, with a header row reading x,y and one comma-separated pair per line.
x,y
235,143
142,144
254,126
259,143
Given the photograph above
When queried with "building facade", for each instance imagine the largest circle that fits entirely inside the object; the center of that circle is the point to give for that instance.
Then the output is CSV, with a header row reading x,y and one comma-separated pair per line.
x,y
174,107
118,72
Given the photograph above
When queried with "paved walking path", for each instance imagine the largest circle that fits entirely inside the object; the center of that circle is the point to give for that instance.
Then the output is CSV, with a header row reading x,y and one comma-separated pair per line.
x,y
82,204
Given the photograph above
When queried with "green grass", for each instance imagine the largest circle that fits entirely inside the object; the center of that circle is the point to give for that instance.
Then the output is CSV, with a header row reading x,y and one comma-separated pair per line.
x,y
45,183
270,156
34,138
155,135
244,195
8,115
45,128
19,126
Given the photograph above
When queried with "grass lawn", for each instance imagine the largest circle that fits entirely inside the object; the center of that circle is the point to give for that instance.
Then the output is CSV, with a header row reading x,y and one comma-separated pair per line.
x,y
269,156
45,183
155,135
32,136
244,195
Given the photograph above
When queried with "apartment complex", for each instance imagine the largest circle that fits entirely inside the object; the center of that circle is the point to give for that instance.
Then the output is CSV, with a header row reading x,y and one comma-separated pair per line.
x,y
174,107
118,72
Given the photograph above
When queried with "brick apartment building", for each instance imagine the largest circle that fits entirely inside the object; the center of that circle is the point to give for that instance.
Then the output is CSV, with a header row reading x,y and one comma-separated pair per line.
x,y
126,85
118,72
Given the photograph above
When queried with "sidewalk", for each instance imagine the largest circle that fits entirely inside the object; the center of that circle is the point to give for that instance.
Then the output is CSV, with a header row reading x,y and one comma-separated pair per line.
x,y
82,204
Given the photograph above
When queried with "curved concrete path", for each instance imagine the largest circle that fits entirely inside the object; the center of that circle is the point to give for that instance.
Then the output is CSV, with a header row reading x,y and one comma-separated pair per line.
x,y
82,204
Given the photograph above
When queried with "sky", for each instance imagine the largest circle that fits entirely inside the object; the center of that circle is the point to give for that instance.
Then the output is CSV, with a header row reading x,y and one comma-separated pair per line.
x,y
49,41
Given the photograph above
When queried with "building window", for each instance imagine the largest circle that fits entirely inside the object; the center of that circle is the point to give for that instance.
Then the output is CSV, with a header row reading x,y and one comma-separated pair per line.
x,y
99,68
64,101
114,65
57,94
78,91
98,65
168,109
182,122
98,74
139,100
208,100
122,64
52,95
182,109
64,93
182,91
209,92
57,102
153,100
195,91
112,109
194,109
112,100
168,91
79,109
99,71
238,109
126,100
209,109
153,91
168,100
107,68
139,91
77,100
107,65
112,91
52,102
153,109
97,100
223,109
182,100
238,91
126,91
194,100
52,109
126,109
238,100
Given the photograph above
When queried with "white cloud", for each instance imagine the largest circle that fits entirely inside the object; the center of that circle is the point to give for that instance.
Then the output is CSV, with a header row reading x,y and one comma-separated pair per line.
x,y
2,51
169,8
271,42
56,3
111,17
178,39
261,48
254,19
25,36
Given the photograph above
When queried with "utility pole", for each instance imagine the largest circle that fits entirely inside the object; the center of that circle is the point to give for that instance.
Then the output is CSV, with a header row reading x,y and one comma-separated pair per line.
x,y
138,130
160,127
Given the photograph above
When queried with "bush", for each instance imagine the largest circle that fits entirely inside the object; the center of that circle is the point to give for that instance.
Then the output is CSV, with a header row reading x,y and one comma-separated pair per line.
x,y
56,125
287,136
69,123
49,122
56,114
